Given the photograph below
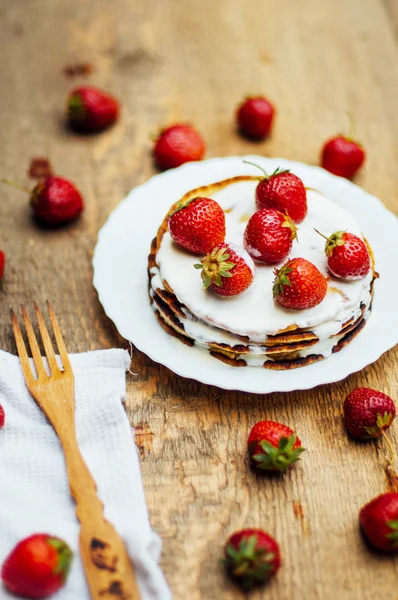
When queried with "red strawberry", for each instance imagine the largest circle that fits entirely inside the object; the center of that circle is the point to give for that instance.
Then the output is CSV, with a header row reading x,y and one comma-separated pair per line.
x,y
283,191
2,417
269,235
299,285
379,521
2,264
254,117
227,269
273,446
252,557
37,567
342,156
177,145
56,201
197,225
91,109
368,413
347,255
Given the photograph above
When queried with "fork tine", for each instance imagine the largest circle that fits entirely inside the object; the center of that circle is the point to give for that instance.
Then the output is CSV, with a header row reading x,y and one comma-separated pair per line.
x,y
37,359
59,339
23,355
48,346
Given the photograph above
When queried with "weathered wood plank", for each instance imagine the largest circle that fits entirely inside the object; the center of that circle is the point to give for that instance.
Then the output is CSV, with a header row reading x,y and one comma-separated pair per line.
x,y
172,60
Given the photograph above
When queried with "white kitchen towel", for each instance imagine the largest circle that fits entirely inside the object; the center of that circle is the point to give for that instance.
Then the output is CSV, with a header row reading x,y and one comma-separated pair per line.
x,y
34,492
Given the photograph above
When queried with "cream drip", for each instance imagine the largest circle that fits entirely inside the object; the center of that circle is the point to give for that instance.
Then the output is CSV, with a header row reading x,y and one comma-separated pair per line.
x,y
254,313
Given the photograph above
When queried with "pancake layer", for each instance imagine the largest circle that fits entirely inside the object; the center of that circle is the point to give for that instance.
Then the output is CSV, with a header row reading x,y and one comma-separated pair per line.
x,y
251,329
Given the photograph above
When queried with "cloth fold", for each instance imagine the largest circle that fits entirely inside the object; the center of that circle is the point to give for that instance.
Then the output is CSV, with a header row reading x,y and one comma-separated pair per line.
x,y
34,492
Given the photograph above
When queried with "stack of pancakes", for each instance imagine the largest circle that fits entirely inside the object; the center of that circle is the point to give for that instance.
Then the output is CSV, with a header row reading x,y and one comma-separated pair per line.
x,y
291,346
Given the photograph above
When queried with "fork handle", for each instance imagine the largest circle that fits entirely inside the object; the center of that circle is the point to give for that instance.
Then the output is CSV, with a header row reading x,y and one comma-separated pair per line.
x,y
109,571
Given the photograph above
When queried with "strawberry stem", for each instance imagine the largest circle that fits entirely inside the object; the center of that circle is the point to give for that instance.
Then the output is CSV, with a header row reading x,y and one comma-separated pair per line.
x,y
17,186
391,458
351,125
321,234
258,167
277,171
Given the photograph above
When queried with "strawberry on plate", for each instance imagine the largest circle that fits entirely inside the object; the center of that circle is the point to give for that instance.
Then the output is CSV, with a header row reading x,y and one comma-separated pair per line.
x,y
197,225
228,270
252,556
91,109
254,117
273,446
379,522
269,235
347,255
283,191
299,285
342,156
177,145
37,567
2,417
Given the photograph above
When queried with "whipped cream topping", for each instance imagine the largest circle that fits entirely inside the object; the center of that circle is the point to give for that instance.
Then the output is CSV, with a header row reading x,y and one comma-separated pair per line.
x,y
254,313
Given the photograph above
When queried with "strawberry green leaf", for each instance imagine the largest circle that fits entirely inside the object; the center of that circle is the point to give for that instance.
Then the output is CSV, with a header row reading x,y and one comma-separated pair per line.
x,y
393,535
334,240
215,266
382,422
281,280
65,556
180,205
249,564
279,458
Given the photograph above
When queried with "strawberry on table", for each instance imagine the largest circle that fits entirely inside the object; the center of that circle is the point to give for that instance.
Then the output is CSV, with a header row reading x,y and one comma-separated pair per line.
x,y
54,200
368,414
269,235
2,264
227,269
342,156
91,109
273,446
299,285
282,190
252,556
198,224
2,417
347,255
177,145
254,117
379,522
37,567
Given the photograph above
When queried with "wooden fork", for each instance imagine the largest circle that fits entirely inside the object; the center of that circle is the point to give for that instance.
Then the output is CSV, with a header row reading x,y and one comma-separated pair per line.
x,y
108,568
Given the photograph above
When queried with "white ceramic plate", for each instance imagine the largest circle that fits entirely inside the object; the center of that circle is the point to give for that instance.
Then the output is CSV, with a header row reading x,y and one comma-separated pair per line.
x,y
120,276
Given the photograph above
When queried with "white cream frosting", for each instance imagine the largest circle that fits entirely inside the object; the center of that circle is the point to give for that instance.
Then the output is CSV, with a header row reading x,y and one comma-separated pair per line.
x,y
254,313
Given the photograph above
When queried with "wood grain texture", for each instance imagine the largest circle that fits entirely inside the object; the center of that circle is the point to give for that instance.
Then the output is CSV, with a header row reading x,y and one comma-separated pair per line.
x,y
185,60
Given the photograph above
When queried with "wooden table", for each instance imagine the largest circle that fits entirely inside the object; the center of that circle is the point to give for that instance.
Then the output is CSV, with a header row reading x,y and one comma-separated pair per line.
x,y
170,60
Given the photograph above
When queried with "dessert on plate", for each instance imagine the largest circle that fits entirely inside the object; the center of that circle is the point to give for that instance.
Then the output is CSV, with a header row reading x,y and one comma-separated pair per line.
x,y
261,322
